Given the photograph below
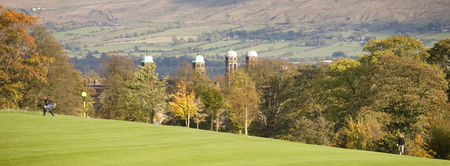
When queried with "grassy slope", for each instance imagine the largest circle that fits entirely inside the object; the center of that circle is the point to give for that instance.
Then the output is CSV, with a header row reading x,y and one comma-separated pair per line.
x,y
31,139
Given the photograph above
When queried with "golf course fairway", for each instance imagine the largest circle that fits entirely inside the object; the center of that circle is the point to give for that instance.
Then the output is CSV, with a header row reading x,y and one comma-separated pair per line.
x,y
28,138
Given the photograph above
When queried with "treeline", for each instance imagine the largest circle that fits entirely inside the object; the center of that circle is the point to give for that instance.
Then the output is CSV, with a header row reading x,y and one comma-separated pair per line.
x,y
398,87
33,65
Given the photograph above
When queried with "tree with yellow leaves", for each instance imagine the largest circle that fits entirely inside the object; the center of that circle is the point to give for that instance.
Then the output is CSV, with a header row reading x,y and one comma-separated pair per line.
x,y
183,104
243,99
20,62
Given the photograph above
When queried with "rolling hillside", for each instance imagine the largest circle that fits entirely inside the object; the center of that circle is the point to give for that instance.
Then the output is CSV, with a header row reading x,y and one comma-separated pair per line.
x,y
32,139
239,12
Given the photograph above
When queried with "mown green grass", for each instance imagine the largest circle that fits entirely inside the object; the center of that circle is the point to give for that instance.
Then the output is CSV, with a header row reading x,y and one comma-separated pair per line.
x,y
32,139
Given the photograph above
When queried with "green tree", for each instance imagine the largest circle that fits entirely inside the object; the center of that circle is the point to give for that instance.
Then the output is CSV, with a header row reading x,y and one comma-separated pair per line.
x,y
437,142
399,46
318,131
339,90
213,102
409,92
243,100
303,106
147,93
274,81
440,56
117,74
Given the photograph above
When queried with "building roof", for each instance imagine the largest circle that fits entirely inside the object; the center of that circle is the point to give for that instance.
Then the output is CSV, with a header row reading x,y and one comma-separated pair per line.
x,y
198,59
147,59
231,53
252,53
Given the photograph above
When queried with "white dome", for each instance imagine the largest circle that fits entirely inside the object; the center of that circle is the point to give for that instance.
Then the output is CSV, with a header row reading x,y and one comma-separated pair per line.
x,y
231,53
252,53
198,59
147,59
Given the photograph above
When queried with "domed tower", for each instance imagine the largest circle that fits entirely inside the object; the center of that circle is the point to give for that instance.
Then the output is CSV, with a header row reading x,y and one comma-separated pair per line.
x,y
146,60
198,64
251,58
231,61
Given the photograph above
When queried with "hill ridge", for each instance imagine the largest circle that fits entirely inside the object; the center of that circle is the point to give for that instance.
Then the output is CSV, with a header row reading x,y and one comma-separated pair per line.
x,y
242,12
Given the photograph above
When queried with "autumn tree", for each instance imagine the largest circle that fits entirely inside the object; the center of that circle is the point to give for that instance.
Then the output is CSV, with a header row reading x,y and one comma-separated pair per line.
x,y
147,94
20,63
243,99
64,84
183,103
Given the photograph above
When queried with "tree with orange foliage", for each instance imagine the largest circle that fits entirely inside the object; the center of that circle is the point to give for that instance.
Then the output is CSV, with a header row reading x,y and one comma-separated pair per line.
x,y
20,63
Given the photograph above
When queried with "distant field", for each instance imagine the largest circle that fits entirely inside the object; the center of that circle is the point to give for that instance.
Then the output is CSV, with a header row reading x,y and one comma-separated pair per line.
x,y
32,139
157,39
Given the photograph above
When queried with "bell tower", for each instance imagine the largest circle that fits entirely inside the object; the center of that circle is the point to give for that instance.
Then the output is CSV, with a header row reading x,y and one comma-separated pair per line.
x,y
198,64
231,62
251,58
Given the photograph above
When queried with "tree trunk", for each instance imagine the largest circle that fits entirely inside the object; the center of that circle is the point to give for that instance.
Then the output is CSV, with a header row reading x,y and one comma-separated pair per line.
x,y
212,122
188,120
152,115
198,123
185,121
217,123
246,121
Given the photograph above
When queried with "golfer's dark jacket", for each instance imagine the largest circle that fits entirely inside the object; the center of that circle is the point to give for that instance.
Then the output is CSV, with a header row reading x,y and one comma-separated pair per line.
x,y
48,101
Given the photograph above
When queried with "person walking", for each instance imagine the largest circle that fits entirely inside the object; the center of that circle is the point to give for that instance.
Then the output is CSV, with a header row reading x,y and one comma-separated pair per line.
x,y
401,145
49,105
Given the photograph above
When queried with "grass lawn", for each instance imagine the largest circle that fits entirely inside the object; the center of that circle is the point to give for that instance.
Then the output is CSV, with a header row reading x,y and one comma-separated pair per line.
x,y
32,139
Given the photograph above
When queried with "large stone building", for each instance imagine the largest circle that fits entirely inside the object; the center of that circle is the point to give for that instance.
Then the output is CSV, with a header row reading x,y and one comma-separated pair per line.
x,y
231,62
